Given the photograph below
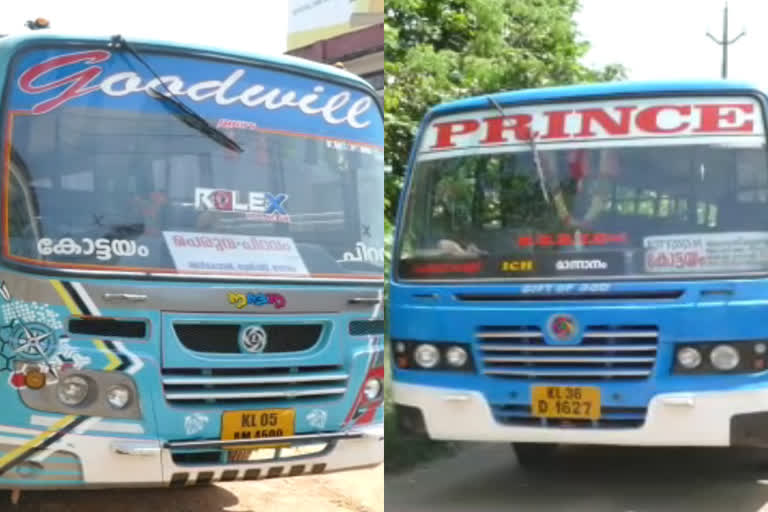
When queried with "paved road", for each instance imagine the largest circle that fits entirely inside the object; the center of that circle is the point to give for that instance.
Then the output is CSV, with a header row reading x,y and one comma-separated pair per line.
x,y
486,477
351,491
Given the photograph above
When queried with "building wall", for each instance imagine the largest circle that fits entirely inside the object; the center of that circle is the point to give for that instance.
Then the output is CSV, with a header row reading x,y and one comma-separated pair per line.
x,y
361,52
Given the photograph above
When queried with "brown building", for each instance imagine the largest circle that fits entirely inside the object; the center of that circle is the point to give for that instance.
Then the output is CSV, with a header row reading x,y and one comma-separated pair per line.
x,y
361,52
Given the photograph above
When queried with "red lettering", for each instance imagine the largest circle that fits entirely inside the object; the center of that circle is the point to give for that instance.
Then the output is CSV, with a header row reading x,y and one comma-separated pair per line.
x,y
608,123
712,117
568,240
77,81
520,124
556,124
648,119
448,268
445,132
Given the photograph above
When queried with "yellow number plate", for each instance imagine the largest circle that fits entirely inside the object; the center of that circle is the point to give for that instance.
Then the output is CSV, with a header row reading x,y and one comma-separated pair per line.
x,y
236,425
567,402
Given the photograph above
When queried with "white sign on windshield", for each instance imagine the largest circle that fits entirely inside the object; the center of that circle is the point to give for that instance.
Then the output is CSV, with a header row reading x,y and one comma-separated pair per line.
x,y
714,252
234,253
646,121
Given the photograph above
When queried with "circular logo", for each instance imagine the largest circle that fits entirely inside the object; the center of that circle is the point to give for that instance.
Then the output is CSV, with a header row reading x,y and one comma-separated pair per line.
x,y
562,327
253,339
33,341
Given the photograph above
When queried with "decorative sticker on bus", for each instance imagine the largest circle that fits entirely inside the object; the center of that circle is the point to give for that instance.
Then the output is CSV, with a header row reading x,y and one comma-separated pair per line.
x,y
717,252
234,253
103,248
364,253
264,206
678,120
240,300
48,79
572,240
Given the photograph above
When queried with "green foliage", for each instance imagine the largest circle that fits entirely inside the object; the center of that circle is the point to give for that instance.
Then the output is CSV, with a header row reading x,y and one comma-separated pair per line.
x,y
440,50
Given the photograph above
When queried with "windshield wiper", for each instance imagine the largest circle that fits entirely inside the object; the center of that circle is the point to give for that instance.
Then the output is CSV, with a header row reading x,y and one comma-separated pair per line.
x,y
182,111
539,169
534,152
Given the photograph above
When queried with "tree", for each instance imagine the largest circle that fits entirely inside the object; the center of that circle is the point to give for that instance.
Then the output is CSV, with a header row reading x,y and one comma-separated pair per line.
x,y
440,50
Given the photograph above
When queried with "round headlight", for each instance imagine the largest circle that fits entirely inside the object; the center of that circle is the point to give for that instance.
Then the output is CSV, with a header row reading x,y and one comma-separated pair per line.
x,y
456,357
689,357
372,389
724,357
72,390
118,396
426,356
760,348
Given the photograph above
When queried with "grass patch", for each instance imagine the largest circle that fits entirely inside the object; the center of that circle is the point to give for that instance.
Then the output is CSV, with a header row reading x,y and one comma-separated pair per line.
x,y
401,454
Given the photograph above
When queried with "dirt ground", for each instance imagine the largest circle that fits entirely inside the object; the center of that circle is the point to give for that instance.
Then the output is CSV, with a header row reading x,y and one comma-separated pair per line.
x,y
487,478
350,491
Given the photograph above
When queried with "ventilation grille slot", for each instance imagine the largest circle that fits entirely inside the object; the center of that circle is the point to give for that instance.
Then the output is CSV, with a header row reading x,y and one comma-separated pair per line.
x,y
605,352
108,327
249,386
572,297
224,338
366,327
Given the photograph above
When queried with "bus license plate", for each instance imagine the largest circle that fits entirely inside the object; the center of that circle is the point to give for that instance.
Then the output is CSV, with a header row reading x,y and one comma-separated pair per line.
x,y
237,425
568,402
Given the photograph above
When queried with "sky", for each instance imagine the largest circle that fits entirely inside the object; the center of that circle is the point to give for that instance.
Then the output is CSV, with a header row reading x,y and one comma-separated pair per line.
x,y
257,26
654,39
666,39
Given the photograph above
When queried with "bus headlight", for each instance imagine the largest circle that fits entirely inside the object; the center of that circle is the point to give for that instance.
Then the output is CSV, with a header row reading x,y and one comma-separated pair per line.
x,y
372,389
689,357
445,356
426,355
106,394
724,357
456,356
118,396
73,390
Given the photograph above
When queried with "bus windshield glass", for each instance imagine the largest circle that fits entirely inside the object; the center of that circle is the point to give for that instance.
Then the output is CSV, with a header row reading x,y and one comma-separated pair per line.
x,y
627,188
101,175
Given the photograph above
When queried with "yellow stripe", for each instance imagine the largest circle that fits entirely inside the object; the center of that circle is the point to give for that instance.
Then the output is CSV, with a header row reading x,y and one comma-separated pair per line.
x,y
63,422
66,298
114,361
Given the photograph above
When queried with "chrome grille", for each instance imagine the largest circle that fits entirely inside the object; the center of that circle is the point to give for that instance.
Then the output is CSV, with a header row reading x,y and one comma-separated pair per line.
x,y
251,385
605,352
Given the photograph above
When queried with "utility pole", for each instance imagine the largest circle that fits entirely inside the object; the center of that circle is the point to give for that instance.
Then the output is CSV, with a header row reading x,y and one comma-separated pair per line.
x,y
725,42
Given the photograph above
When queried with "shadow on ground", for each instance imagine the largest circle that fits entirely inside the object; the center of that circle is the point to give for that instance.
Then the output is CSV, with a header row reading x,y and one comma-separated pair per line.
x,y
197,499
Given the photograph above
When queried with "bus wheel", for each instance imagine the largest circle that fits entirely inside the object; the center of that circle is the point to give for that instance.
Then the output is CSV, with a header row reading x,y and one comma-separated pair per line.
x,y
534,455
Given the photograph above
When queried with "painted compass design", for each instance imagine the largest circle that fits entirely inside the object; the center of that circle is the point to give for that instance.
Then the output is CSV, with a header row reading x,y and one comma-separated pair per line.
x,y
32,341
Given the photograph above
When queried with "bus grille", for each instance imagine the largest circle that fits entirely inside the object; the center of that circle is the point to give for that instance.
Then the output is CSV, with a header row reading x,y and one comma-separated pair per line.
x,y
253,385
224,338
610,417
605,352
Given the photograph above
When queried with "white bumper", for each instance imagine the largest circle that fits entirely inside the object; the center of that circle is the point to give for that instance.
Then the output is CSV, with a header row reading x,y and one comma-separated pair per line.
x,y
673,419
119,462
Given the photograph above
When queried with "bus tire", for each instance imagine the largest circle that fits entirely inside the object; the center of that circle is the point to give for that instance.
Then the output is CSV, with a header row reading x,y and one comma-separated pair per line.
x,y
534,455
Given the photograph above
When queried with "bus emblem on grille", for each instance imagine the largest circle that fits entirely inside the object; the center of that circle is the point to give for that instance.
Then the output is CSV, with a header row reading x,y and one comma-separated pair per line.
x,y
253,339
562,327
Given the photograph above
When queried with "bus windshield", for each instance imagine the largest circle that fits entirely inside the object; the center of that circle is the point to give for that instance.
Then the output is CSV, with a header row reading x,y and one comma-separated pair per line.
x,y
101,175
630,207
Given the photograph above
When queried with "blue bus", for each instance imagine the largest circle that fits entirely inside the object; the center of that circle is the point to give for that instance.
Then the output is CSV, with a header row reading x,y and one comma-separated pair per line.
x,y
585,265
191,263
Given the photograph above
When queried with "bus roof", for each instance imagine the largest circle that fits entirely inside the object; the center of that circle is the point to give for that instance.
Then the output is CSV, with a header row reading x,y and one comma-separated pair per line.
x,y
549,94
10,44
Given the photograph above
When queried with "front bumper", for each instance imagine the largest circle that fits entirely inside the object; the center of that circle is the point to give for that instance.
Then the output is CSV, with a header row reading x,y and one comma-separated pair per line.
x,y
712,418
107,462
